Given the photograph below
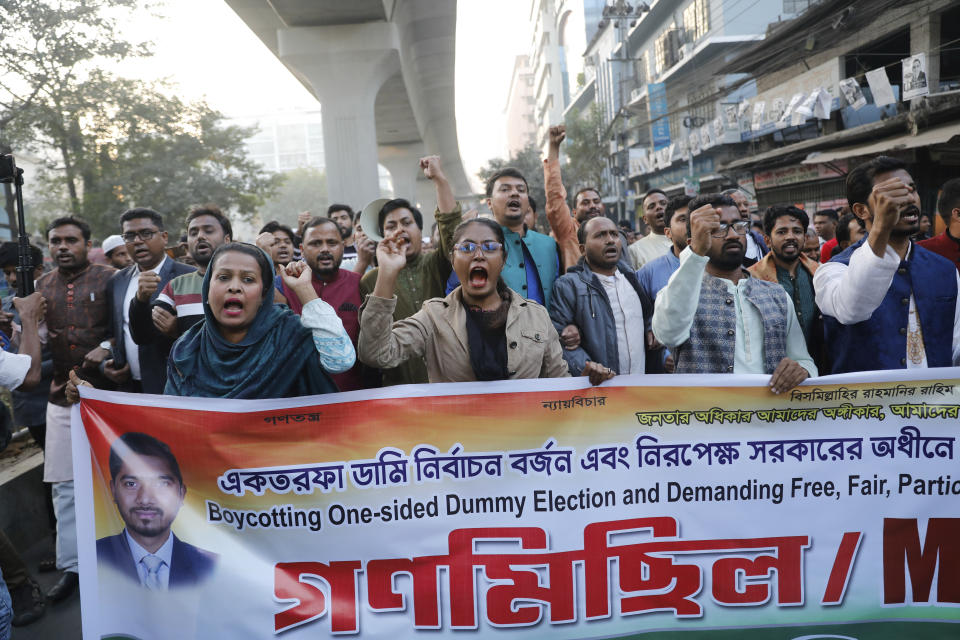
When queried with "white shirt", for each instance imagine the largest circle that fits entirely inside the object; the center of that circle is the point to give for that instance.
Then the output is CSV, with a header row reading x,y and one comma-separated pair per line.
x,y
647,248
13,369
677,305
133,351
165,553
625,303
851,293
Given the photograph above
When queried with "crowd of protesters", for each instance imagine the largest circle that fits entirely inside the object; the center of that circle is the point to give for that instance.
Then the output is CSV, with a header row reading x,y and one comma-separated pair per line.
x,y
713,288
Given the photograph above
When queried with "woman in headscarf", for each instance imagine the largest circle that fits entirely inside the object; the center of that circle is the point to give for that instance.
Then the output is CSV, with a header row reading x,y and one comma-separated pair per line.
x,y
481,331
248,347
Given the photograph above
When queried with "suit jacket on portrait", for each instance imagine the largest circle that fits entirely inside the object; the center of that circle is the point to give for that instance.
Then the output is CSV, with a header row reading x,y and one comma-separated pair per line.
x,y
189,565
154,346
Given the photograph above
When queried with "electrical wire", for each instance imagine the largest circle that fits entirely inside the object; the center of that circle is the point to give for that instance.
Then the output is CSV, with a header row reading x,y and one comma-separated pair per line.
x,y
752,77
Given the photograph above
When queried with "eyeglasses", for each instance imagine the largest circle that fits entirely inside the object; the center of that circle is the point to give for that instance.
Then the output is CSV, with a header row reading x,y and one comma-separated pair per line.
x,y
145,235
740,227
488,247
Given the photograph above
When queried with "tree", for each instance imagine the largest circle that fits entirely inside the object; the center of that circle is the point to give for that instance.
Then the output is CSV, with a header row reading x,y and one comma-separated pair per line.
x,y
44,45
113,143
585,150
528,162
302,190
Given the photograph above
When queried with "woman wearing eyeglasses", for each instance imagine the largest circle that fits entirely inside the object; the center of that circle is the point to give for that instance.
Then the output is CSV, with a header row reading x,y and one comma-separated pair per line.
x,y
481,331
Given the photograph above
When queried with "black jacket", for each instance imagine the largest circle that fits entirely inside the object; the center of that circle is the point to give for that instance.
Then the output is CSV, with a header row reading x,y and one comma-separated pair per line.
x,y
154,347
579,299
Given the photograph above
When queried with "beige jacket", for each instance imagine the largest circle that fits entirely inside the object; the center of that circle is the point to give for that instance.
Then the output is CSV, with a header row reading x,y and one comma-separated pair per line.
x,y
438,332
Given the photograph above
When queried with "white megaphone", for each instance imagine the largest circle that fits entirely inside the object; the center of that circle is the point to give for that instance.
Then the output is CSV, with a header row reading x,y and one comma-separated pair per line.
x,y
368,220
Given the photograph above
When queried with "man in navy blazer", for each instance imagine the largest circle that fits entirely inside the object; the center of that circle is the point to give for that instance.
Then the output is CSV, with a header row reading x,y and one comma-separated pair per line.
x,y
137,342
148,490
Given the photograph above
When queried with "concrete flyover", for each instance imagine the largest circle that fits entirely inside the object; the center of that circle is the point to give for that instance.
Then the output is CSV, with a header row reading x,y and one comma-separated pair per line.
x,y
383,71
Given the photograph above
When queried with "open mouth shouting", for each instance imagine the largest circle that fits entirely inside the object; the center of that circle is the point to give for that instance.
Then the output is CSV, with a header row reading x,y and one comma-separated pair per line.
x,y
325,261
514,206
233,307
478,277
910,215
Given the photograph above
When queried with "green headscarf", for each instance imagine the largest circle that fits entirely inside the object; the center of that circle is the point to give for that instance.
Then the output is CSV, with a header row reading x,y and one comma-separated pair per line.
x,y
276,359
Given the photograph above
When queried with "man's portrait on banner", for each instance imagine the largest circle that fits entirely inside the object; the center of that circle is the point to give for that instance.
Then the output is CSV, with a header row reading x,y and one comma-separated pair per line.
x,y
148,491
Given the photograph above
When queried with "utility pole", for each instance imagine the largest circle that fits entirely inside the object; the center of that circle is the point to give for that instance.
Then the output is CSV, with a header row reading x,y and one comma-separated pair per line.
x,y
623,15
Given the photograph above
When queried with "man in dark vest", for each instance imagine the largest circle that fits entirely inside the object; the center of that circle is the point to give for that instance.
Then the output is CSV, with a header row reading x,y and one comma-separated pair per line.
x,y
887,302
716,318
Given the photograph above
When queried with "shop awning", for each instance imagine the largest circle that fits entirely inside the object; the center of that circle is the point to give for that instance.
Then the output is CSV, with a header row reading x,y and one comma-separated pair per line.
x,y
937,135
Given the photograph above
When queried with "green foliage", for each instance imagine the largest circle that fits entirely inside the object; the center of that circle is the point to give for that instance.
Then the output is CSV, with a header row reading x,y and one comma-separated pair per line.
x,y
585,149
302,190
111,143
528,162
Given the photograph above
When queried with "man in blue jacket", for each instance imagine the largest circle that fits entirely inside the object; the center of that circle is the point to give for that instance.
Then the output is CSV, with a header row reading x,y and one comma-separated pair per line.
x,y
887,302
606,304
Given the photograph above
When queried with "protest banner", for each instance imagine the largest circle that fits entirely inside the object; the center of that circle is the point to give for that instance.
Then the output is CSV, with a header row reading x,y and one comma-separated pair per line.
x,y
527,508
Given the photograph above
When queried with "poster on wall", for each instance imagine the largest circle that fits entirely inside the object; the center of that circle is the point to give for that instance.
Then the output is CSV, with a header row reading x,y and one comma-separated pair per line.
x,y
851,90
915,76
880,87
758,110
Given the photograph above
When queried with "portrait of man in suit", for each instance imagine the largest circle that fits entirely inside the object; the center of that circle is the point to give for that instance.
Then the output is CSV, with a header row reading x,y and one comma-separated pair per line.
x,y
148,491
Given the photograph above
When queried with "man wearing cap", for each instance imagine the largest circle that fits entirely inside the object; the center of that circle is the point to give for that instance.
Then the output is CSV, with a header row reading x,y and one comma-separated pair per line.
x,y
115,251
424,276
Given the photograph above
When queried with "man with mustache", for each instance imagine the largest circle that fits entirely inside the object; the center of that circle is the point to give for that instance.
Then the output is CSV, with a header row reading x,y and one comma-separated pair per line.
x,y
785,232
78,326
715,318
322,250
887,302
655,274
606,304
148,489
655,243
179,307
133,291
756,248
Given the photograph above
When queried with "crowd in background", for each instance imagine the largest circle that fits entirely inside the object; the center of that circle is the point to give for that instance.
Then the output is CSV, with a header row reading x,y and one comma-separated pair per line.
x,y
713,288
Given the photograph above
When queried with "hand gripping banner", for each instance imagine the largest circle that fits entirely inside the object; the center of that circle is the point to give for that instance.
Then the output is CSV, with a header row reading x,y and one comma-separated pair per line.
x,y
526,509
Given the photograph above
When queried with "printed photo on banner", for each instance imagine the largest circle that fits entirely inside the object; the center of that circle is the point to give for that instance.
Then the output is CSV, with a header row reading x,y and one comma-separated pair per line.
x,y
915,76
148,491
850,88
543,509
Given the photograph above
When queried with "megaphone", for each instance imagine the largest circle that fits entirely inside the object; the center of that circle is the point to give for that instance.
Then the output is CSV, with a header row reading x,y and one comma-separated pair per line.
x,y
370,214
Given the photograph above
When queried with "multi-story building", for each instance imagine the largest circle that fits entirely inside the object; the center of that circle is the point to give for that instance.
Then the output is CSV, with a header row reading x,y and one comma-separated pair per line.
x,y
560,31
656,70
520,108
288,140
806,160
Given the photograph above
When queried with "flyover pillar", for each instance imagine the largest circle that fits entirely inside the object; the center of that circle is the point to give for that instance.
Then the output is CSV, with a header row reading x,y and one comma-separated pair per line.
x,y
402,161
346,66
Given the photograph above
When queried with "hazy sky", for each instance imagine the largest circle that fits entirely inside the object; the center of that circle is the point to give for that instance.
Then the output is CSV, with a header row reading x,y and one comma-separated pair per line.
x,y
209,52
